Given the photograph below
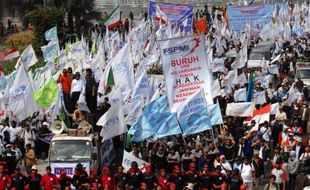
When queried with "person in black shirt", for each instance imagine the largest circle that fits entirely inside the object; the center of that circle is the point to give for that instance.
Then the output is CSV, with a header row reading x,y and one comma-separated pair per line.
x,y
18,179
80,176
121,178
218,178
64,180
149,178
34,179
176,177
205,177
235,180
10,158
90,91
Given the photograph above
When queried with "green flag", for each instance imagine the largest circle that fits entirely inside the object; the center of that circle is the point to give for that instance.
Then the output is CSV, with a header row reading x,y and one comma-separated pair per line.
x,y
45,96
110,78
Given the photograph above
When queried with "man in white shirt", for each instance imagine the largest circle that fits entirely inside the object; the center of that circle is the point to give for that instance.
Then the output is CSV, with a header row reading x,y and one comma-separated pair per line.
x,y
281,116
14,131
247,173
77,88
266,132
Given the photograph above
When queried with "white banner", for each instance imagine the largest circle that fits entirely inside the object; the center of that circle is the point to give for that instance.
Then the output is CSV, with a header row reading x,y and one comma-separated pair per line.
x,y
128,158
259,97
69,168
244,109
185,69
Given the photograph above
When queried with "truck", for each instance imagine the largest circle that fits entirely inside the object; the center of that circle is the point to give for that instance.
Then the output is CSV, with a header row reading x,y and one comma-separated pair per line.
x,y
303,72
67,151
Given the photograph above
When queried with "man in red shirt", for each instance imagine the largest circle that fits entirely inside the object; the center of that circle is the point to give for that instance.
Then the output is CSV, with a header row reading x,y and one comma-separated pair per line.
x,y
5,180
49,180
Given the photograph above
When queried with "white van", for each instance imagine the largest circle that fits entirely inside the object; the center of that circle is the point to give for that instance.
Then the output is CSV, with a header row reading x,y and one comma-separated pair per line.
x,y
303,72
67,151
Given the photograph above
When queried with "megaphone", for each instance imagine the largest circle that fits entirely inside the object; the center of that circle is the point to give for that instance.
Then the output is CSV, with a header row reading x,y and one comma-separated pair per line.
x,y
84,125
58,127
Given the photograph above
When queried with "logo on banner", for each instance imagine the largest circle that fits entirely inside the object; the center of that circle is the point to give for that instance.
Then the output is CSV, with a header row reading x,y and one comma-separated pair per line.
x,y
188,49
27,58
20,91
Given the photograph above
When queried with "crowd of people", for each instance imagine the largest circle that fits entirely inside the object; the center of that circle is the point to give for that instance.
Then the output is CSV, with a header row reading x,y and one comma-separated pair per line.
x,y
276,156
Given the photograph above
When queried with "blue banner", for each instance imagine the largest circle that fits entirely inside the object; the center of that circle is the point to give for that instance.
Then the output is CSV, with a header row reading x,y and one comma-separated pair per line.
x,y
180,15
255,15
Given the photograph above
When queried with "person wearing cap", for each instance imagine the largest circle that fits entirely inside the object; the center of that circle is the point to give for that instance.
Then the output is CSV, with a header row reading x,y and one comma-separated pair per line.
x,y
34,179
66,81
49,180
293,165
191,175
64,180
107,179
134,176
205,177
121,178
176,177
218,178
30,158
289,143
226,167
247,172
235,180
5,180
298,147
10,158
148,177
18,179
296,129
259,168
280,174
302,180
272,185
163,179
80,177
77,88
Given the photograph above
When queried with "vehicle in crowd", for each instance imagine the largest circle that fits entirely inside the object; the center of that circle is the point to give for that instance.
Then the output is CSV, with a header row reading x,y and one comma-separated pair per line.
x,y
303,72
67,149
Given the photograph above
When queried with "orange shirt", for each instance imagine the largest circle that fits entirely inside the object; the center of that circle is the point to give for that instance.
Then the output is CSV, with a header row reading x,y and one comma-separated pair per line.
x,y
66,83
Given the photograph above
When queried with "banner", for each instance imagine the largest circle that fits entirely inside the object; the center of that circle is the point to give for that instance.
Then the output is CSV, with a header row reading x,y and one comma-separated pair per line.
x,y
240,95
255,15
215,114
69,168
245,109
107,152
185,69
179,15
128,158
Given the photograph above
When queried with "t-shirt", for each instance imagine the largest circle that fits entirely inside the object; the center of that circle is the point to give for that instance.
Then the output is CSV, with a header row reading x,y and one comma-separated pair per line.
x,y
246,173
77,86
280,175
66,83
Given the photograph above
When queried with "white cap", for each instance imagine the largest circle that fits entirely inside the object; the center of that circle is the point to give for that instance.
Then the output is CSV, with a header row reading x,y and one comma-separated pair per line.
x,y
45,123
34,167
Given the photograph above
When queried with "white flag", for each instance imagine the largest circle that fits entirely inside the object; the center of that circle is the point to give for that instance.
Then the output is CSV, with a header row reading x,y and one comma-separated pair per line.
x,y
123,69
274,108
259,97
28,58
242,79
218,65
141,87
216,88
243,109
21,102
231,78
240,95
112,122
128,158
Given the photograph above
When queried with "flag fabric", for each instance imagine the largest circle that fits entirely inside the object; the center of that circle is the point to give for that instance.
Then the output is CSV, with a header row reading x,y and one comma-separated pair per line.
x,y
240,95
50,51
112,122
215,114
28,58
11,54
218,65
242,79
168,126
274,108
216,88
250,89
241,109
122,68
51,34
114,19
21,102
45,96
231,78
196,122
193,114
128,158
141,87
260,115
259,97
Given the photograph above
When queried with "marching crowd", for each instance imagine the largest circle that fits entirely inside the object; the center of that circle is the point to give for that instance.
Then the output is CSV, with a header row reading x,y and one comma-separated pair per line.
x,y
230,156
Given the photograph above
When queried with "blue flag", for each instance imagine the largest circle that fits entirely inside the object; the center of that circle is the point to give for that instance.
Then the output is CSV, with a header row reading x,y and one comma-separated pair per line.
x,y
51,34
50,51
215,114
250,89
196,122
141,129
168,125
